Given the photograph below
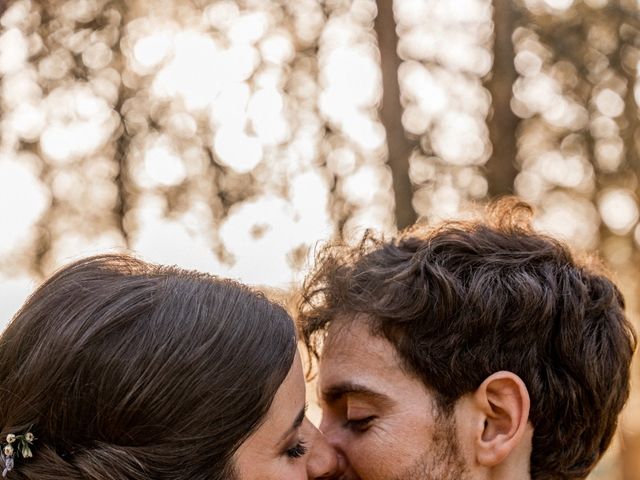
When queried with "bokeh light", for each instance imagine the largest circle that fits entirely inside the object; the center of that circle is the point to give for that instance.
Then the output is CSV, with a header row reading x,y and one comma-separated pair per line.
x,y
235,136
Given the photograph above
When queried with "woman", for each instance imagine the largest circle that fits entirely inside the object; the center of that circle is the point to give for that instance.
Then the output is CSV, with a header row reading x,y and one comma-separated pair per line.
x,y
117,369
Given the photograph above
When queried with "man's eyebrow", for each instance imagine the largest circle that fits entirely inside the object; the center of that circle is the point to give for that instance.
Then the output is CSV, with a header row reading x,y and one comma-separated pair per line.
x,y
297,422
340,390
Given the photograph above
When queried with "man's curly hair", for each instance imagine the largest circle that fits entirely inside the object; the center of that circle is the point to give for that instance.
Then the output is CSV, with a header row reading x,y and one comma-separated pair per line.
x,y
463,300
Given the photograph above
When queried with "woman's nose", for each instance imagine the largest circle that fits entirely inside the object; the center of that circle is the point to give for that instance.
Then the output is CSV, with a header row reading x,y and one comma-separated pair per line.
x,y
324,461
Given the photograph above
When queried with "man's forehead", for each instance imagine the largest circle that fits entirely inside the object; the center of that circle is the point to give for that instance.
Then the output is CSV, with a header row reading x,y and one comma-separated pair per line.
x,y
351,349
356,361
348,335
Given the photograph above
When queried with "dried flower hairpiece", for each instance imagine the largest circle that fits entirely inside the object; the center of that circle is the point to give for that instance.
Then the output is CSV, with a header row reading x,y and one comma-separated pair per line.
x,y
17,446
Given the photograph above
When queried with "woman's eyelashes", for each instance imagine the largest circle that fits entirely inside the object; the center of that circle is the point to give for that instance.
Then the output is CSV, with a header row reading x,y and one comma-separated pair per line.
x,y
298,450
360,425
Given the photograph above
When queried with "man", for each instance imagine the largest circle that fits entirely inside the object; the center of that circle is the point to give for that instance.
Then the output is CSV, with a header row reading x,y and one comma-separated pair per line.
x,y
473,350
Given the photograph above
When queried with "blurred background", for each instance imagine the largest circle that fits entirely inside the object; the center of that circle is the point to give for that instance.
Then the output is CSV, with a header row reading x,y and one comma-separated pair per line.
x,y
236,136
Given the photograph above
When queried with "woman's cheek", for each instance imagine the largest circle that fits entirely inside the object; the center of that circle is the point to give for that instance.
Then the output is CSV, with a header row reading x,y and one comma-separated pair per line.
x,y
294,469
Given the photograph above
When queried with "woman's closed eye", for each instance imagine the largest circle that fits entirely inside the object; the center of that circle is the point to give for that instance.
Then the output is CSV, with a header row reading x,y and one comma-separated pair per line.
x,y
298,450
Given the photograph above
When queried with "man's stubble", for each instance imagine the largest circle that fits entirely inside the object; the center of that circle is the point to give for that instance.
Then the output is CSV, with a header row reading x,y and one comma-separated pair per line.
x,y
442,460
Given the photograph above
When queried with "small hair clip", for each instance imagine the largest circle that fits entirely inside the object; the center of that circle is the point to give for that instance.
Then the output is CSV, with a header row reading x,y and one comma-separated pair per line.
x,y
17,446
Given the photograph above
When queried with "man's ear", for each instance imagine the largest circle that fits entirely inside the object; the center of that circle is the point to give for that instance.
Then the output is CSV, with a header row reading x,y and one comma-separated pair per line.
x,y
503,402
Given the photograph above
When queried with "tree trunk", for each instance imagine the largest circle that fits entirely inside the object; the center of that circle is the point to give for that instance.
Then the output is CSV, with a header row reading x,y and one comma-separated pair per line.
x,y
122,138
631,132
629,458
503,123
399,146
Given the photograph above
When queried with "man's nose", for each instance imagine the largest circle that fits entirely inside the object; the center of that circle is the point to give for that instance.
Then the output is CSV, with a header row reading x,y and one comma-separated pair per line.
x,y
324,462
331,431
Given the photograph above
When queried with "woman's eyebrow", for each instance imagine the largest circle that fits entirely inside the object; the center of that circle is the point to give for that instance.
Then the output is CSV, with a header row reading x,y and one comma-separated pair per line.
x,y
300,418
297,422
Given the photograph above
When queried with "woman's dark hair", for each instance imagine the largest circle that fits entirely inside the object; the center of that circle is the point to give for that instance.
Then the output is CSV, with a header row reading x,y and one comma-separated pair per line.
x,y
130,370
464,300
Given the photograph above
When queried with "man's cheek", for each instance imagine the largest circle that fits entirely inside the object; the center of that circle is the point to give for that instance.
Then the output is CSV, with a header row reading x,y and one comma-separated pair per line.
x,y
367,455
389,432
